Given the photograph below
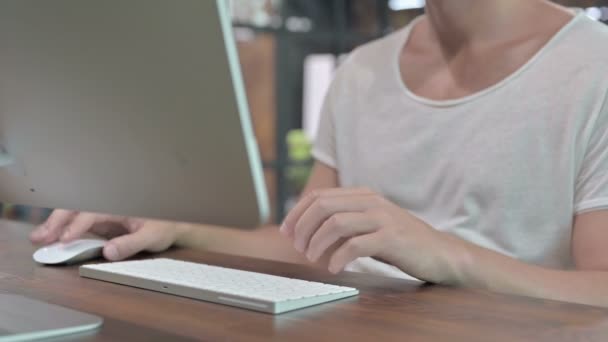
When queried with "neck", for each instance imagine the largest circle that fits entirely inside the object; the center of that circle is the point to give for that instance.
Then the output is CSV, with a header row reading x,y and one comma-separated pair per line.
x,y
464,22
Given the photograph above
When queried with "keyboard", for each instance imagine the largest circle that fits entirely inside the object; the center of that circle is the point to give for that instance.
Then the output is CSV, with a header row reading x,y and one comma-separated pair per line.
x,y
244,289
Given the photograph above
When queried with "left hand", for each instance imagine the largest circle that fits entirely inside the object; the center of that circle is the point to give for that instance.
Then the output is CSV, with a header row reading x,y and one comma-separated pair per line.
x,y
127,236
361,223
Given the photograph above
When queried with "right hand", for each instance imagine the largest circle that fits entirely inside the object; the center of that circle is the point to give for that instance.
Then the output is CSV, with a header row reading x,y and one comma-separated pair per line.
x,y
127,236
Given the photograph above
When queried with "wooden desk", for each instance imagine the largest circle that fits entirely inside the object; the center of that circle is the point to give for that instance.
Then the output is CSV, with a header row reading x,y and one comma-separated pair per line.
x,y
386,310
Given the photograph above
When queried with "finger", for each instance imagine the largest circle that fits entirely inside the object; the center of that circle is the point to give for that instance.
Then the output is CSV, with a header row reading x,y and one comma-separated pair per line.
x,y
53,227
354,248
294,215
147,238
341,225
323,208
80,224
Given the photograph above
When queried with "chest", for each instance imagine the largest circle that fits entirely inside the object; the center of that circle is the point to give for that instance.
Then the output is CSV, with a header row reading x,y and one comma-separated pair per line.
x,y
499,151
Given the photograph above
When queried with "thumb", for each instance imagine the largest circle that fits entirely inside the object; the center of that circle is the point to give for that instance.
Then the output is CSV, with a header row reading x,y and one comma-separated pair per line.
x,y
127,245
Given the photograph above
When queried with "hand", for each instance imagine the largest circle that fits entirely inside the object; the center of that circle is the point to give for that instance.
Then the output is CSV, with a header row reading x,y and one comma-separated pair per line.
x,y
128,236
354,223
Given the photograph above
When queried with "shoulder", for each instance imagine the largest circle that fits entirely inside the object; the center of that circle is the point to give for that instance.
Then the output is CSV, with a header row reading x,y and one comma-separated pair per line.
x,y
370,63
594,31
580,57
585,43
576,64
377,53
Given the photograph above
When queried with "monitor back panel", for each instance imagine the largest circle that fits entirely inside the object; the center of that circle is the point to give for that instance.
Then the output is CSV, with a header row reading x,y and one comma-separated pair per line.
x,y
127,107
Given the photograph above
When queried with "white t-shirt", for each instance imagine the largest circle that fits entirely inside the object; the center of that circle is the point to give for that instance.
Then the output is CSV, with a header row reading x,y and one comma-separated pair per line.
x,y
506,168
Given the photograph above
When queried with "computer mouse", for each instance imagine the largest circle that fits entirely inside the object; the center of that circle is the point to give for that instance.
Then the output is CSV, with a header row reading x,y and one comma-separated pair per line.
x,y
70,252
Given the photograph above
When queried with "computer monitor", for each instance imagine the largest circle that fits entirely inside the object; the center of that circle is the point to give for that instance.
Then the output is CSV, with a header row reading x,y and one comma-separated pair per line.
x,y
132,108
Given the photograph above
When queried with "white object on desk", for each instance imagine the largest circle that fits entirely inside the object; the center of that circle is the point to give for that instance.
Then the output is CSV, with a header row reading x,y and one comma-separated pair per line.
x,y
248,290
71,252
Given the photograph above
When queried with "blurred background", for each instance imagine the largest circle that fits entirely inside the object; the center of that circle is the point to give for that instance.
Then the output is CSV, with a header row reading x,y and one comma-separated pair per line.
x,y
289,50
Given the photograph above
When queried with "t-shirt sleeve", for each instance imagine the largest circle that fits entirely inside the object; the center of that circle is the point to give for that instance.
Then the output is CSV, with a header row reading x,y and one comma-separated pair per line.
x,y
591,192
324,146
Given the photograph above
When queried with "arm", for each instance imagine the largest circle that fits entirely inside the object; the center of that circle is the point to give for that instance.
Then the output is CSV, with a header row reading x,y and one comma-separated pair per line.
x,y
265,242
587,284
128,236
360,223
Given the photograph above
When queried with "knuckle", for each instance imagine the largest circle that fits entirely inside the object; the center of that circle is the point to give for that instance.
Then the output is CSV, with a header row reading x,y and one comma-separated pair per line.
x,y
322,204
54,216
353,246
378,214
336,221
63,213
131,223
379,200
315,194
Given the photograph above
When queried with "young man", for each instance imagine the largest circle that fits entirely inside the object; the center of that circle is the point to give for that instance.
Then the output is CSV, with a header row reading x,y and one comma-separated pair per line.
x,y
469,148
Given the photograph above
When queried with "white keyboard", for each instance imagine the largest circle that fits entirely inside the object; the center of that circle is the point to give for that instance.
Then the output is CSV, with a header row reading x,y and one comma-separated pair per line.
x,y
249,290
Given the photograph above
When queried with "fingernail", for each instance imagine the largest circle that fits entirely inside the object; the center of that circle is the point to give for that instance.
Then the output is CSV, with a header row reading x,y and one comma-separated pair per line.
x,y
299,248
309,257
111,252
283,229
65,236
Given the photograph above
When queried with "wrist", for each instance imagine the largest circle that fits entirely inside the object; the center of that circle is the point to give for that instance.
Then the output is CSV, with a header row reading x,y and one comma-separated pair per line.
x,y
183,234
457,260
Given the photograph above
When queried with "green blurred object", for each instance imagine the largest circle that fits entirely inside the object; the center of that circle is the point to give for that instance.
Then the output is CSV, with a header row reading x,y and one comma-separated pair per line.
x,y
299,145
300,160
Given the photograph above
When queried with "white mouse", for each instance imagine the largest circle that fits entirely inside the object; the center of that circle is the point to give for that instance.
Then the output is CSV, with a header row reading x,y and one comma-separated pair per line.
x,y
69,253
